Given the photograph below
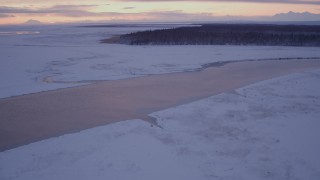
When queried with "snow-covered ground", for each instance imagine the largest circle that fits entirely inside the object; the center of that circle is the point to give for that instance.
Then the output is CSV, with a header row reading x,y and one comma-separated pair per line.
x,y
74,55
268,130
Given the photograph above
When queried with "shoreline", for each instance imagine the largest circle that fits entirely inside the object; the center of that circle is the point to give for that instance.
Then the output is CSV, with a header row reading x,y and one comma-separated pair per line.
x,y
225,34
33,117
80,83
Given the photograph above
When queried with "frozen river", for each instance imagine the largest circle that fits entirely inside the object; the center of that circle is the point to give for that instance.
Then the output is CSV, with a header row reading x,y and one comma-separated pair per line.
x,y
261,129
74,54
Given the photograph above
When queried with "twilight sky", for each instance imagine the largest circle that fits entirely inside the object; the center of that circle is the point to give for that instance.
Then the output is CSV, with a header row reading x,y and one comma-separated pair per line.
x,y
53,11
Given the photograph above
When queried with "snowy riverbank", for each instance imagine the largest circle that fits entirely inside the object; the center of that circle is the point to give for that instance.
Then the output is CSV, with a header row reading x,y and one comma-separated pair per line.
x,y
267,130
73,54
262,131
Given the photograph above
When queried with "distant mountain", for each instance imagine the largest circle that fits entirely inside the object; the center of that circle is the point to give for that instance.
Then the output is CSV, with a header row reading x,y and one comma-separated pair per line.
x,y
295,16
33,22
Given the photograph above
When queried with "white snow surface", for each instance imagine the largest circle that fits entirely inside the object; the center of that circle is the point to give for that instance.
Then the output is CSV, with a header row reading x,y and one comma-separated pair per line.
x,y
72,55
268,130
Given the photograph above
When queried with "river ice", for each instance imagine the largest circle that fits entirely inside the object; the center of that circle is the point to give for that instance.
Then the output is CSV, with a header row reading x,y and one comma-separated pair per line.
x,y
74,55
268,130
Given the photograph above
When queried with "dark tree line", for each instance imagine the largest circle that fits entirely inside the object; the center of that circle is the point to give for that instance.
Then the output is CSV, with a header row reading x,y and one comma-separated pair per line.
x,y
228,34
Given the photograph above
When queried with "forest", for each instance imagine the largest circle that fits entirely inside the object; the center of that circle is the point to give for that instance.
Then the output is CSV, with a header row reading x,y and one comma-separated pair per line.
x,y
227,34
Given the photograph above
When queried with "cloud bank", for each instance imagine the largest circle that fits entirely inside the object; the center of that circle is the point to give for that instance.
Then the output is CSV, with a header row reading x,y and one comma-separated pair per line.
x,y
6,15
313,2
86,12
64,10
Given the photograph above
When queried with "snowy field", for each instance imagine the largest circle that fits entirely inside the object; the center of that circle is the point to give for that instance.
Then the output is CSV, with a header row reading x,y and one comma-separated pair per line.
x,y
268,130
71,55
